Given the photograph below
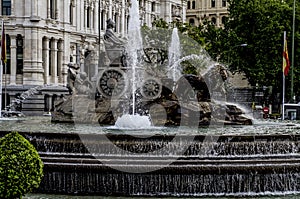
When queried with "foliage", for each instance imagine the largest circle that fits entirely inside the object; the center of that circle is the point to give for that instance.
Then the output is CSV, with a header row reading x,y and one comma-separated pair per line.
x,y
260,24
21,168
200,40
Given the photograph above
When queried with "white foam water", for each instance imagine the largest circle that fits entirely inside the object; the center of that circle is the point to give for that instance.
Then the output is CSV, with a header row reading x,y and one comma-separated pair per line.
x,y
133,122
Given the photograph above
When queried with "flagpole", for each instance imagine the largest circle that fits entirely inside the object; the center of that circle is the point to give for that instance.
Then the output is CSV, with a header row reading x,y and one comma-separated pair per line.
x,y
283,76
283,92
3,62
1,70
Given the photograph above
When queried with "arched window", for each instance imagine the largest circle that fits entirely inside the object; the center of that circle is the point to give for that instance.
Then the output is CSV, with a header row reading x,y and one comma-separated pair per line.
x,y
224,19
6,7
194,5
214,20
19,54
213,3
188,5
192,21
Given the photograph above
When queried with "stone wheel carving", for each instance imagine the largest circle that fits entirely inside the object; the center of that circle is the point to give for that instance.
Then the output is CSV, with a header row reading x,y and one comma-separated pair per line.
x,y
151,88
112,82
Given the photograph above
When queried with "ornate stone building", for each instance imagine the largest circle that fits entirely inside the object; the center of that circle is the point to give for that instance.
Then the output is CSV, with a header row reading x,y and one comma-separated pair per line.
x,y
213,10
150,10
44,36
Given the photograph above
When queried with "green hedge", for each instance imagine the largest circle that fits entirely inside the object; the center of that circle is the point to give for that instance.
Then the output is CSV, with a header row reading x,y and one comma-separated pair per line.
x,y
21,168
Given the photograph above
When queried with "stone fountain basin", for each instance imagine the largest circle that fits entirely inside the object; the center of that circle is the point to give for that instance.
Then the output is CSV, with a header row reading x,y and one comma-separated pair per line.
x,y
222,165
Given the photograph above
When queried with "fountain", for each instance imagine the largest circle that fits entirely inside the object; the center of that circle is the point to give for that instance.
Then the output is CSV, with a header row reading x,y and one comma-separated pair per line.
x,y
107,148
173,56
11,110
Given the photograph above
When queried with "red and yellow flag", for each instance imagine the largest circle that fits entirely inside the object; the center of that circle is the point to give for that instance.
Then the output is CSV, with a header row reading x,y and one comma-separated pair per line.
x,y
286,61
3,44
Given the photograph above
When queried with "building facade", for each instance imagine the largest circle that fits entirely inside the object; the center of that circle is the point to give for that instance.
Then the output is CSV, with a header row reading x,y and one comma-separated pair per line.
x,y
44,36
212,10
150,10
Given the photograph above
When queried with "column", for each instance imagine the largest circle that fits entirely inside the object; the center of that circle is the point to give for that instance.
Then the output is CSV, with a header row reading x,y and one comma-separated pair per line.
x,y
92,25
59,60
81,57
100,20
48,9
75,14
79,15
184,11
218,20
147,12
57,7
123,18
54,61
33,8
85,17
32,71
12,7
96,20
13,59
45,57
118,24
104,19
110,9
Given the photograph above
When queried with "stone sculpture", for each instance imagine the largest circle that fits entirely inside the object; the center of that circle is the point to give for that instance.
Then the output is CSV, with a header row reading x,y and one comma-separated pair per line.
x,y
112,84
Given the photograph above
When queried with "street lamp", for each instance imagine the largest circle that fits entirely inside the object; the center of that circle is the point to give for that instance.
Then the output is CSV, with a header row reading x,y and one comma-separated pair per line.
x,y
293,46
231,48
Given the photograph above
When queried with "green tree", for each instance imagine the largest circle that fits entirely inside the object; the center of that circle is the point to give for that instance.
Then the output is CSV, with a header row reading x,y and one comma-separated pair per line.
x,y
21,168
207,35
260,24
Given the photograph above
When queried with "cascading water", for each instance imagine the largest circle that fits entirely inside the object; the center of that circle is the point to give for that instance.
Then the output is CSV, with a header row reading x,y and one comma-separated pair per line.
x,y
174,55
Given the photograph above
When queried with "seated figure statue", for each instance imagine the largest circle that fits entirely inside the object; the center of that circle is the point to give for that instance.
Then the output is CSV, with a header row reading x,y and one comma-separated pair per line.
x,y
110,37
114,46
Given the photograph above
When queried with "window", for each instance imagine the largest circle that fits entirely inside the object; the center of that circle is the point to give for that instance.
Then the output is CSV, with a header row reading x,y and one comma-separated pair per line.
x,y
52,9
102,20
50,56
6,7
224,19
214,20
88,17
188,5
153,6
6,70
116,22
192,22
223,3
71,13
193,4
213,3
19,54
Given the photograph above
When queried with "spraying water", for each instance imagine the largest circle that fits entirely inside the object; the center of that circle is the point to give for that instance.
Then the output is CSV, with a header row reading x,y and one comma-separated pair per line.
x,y
173,56
134,45
134,48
